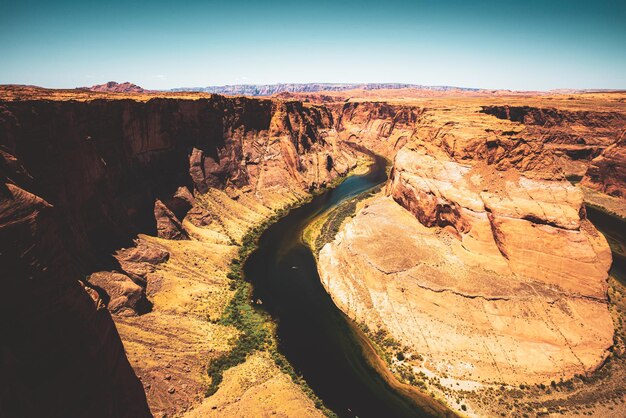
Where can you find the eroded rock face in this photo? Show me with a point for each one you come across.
(181, 202)
(168, 226)
(380, 127)
(115, 158)
(607, 172)
(57, 336)
(531, 223)
(123, 296)
(543, 140)
(574, 135)
(494, 277)
(140, 260)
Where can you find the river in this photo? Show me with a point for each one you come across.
(319, 341)
(316, 337)
(614, 229)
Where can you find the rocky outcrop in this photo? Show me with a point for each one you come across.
(529, 222)
(607, 172)
(140, 260)
(494, 277)
(58, 339)
(121, 295)
(380, 127)
(168, 226)
(181, 202)
(544, 142)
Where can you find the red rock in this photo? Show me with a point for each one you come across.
(140, 260)
(57, 338)
(181, 202)
(125, 297)
(607, 172)
(168, 226)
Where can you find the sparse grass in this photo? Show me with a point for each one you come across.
(324, 229)
(257, 329)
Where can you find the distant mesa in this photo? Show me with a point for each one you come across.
(271, 89)
(115, 87)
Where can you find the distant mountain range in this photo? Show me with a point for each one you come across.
(271, 89)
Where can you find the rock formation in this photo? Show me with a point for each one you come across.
(607, 172)
(574, 136)
(61, 353)
(495, 277)
(80, 180)
(168, 225)
(121, 295)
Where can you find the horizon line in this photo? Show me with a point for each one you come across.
(334, 83)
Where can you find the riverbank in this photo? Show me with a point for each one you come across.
(320, 342)
(256, 328)
(382, 351)
(444, 323)
(173, 347)
(254, 350)
(323, 227)
(379, 351)
(611, 205)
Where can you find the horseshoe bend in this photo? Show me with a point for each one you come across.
(474, 280)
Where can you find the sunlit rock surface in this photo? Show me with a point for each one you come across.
(491, 276)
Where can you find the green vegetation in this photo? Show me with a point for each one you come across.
(239, 313)
(257, 330)
(324, 229)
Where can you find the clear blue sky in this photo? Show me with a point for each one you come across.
(156, 44)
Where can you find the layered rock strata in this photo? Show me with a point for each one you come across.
(494, 277)
(607, 172)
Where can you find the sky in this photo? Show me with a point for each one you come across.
(519, 45)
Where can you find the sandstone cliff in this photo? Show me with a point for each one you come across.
(501, 275)
(542, 141)
(61, 353)
(574, 136)
(80, 180)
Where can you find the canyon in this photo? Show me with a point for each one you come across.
(122, 212)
